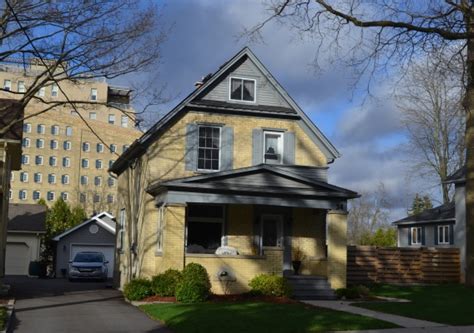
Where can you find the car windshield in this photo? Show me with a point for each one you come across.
(89, 257)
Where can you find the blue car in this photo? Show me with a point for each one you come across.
(88, 265)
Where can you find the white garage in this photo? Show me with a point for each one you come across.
(107, 250)
(17, 259)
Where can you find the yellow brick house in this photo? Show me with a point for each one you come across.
(233, 178)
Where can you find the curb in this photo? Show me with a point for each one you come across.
(10, 309)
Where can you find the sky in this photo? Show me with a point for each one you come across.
(367, 131)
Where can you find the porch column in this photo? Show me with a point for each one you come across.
(337, 248)
(174, 236)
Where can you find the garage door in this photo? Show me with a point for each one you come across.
(108, 252)
(17, 259)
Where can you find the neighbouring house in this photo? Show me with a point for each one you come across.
(96, 234)
(441, 226)
(233, 178)
(11, 124)
(26, 225)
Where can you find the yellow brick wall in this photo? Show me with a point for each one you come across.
(337, 248)
(240, 220)
(309, 235)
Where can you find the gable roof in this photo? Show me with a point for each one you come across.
(262, 179)
(442, 213)
(27, 218)
(104, 219)
(138, 147)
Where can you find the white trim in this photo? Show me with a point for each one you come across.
(96, 219)
(247, 79)
(279, 221)
(440, 228)
(281, 145)
(419, 235)
(220, 148)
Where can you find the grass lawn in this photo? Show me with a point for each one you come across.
(258, 317)
(448, 304)
(3, 317)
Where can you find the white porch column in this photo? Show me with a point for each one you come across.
(337, 248)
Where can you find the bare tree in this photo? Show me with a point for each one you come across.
(66, 42)
(391, 35)
(368, 213)
(430, 100)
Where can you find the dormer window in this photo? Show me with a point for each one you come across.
(273, 147)
(242, 89)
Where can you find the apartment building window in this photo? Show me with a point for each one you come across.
(96, 198)
(53, 144)
(82, 197)
(22, 195)
(113, 148)
(94, 94)
(124, 121)
(97, 181)
(66, 162)
(68, 131)
(209, 148)
(36, 195)
(38, 177)
(23, 177)
(111, 119)
(52, 178)
(124, 148)
(110, 198)
(110, 181)
(7, 85)
(65, 179)
(67, 145)
(55, 130)
(40, 129)
(65, 196)
(53, 161)
(25, 159)
(84, 180)
(100, 148)
(25, 143)
(50, 196)
(111, 162)
(39, 160)
(27, 128)
(54, 90)
(74, 113)
(85, 163)
(98, 164)
(86, 146)
(92, 115)
(12, 176)
(242, 89)
(21, 87)
(41, 92)
(40, 143)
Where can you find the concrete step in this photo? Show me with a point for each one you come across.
(311, 287)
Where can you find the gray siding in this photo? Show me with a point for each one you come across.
(80, 236)
(266, 93)
(460, 226)
(403, 232)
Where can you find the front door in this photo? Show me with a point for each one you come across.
(272, 231)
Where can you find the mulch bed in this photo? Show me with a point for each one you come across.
(157, 298)
(230, 298)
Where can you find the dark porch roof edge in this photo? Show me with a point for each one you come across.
(440, 213)
(139, 147)
(459, 176)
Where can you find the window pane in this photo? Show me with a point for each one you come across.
(209, 145)
(204, 234)
(248, 92)
(236, 89)
(270, 233)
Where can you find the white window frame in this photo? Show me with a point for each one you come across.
(25, 159)
(38, 177)
(53, 196)
(441, 234)
(99, 148)
(67, 145)
(26, 142)
(53, 144)
(124, 121)
(243, 79)
(39, 158)
(92, 115)
(51, 178)
(279, 230)
(111, 119)
(34, 195)
(86, 146)
(113, 148)
(65, 196)
(41, 92)
(27, 128)
(86, 165)
(110, 181)
(24, 177)
(21, 87)
(160, 226)
(85, 178)
(220, 149)
(23, 195)
(122, 221)
(98, 164)
(280, 143)
(419, 231)
(7, 85)
(68, 131)
(40, 128)
(66, 163)
(93, 96)
(39, 143)
(65, 179)
(55, 130)
(54, 161)
(54, 90)
(110, 198)
(97, 181)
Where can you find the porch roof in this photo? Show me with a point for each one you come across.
(262, 184)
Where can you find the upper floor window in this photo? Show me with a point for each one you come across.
(40, 129)
(98, 164)
(54, 90)
(66, 162)
(113, 148)
(65, 179)
(55, 130)
(242, 89)
(209, 147)
(67, 145)
(111, 162)
(7, 85)
(65, 196)
(273, 147)
(86, 146)
(84, 180)
(53, 161)
(50, 196)
(443, 234)
(36, 195)
(53, 144)
(39, 143)
(74, 113)
(22, 195)
(39, 160)
(27, 128)
(110, 198)
(23, 177)
(25, 159)
(52, 178)
(25, 142)
(38, 177)
(41, 92)
(94, 94)
(21, 87)
(100, 148)
(92, 115)
(97, 181)
(85, 163)
(111, 119)
(124, 148)
(68, 131)
(110, 181)
(124, 121)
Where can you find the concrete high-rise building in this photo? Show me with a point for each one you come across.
(62, 157)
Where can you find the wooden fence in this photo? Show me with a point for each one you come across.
(401, 265)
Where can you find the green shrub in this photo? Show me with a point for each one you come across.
(197, 273)
(353, 292)
(165, 284)
(191, 291)
(137, 289)
(363, 291)
(269, 285)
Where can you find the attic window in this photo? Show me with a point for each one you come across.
(242, 89)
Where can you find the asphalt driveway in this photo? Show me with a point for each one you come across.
(57, 305)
